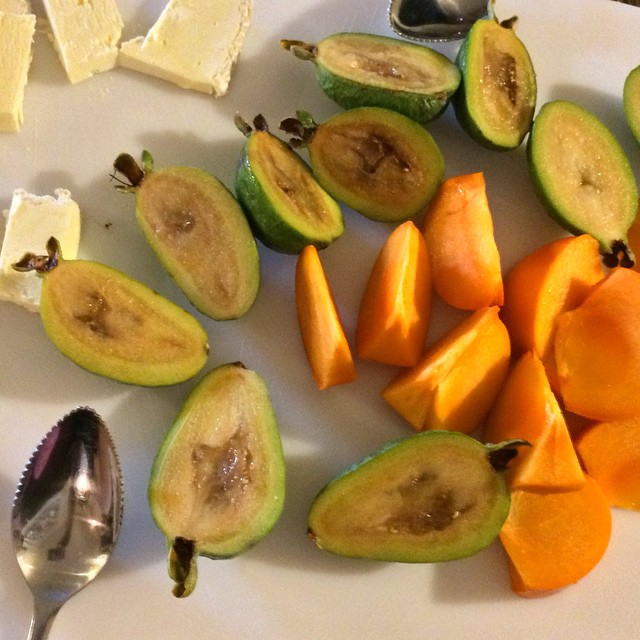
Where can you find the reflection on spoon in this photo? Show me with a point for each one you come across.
(435, 20)
(66, 513)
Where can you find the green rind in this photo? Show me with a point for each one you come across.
(274, 227)
(631, 102)
(274, 494)
(466, 107)
(242, 253)
(418, 551)
(131, 370)
(562, 211)
(415, 136)
(423, 106)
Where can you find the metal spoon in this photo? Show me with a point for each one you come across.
(435, 20)
(66, 513)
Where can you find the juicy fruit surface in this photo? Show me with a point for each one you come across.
(357, 69)
(597, 350)
(429, 498)
(497, 96)
(287, 208)
(582, 174)
(555, 539)
(455, 383)
(218, 477)
(631, 102)
(378, 162)
(116, 327)
(200, 234)
(458, 229)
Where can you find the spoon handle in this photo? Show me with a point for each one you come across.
(44, 613)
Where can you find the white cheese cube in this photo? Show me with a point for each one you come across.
(193, 44)
(16, 37)
(31, 221)
(86, 34)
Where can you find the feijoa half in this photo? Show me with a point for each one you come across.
(631, 102)
(432, 497)
(113, 325)
(496, 100)
(360, 69)
(199, 232)
(285, 205)
(583, 176)
(377, 161)
(217, 484)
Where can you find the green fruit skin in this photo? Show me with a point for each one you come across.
(555, 208)
(106, 362)
(463, 109)
(390, 209)
(274, 495)
(269, 225)
(350, 94)
(631, 102)
(240, 249)
(423, 552)
(421, 107)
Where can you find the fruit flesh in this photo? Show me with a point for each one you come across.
(116, 327)
(498, 91)
(582, 174)
(286, 207)
(365, 70)
(378, 162)
(218, 478)
(429, 498)
(597, 350)
(200, 234)
(631, 102)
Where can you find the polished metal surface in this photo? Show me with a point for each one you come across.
(66, 513)
(435, 20)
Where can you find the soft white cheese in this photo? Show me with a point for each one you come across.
(31, 221)
(193, 44)
(16, 37)
(86, 34)
(15, 6)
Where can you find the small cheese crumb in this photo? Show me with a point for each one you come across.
(86, 34)
(31, 221)
(17, 28)
(193, 44)
(15, 6)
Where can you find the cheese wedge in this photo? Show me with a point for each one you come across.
(17, 28)
(86, 34)
(31, 221)
(193, 44)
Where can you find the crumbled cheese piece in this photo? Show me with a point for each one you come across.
(31, 221)
(193, 44)
(15, 6)
(86, 34)
(16, 37)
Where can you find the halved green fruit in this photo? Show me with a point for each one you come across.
(217, 484)
(377, 161)
(285, 205)
(631, 102)
(432, 497)
(114, 326)
(497, 96)
(583, 176)
(200, 234)
(360, 69)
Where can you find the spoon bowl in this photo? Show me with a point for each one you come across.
(435, 20)
(66, 513)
